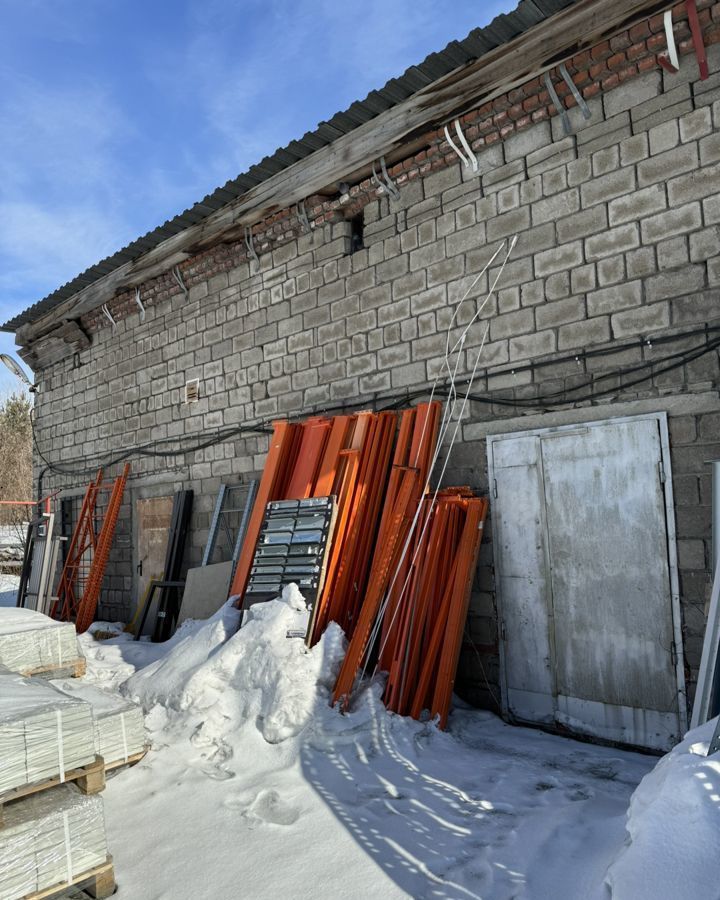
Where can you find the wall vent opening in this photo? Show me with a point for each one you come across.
(192, 390)
(357, 227)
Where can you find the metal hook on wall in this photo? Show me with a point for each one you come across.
(386, 182)
(557, 104)
(579, 99)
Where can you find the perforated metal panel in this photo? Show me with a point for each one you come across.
(291, 548)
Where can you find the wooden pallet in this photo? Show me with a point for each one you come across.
(90, 779)
(98, 882)
(73, 669)
(130, 761)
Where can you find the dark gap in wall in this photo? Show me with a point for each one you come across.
(357, 228)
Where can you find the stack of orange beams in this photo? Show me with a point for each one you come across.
(390, 544)
(422, 635)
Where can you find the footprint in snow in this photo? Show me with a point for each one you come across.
(268, 806)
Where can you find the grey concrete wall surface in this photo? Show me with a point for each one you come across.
(617, 232)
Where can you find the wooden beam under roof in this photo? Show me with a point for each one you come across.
(540, 48)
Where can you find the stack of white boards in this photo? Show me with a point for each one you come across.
(31, 642)
(50, 838)
(119, 723)
(43, 733)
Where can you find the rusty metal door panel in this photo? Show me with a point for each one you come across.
(153, 525)
(519, 530)
(585, 567)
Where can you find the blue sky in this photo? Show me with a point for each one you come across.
(115, 115)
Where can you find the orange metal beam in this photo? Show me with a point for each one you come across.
(386, 556)
(274, 472)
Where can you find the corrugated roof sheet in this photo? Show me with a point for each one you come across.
(502, 29)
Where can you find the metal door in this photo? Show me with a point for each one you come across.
(153, 526)
(587, 582)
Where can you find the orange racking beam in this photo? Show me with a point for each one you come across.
(387, 552)
(314, 436)
(467, 560)
(327, 479)
(281, 443)
(320, 616)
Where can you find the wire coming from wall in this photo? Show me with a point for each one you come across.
(175, 447)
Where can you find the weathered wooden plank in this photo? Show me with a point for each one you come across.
(498, 71)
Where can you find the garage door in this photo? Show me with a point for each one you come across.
(586, 582)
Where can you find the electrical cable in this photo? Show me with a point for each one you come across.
(389, 401)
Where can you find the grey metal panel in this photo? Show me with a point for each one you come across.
(457, 53)
(610, 575)
(520, 565)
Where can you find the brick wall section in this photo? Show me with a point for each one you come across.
(618, 228)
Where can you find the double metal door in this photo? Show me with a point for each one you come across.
(586, 580)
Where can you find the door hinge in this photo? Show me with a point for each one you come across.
(673, 653)
(502, 631)
(661, 472)
(495, 488)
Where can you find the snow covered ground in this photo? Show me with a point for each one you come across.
(256, 788)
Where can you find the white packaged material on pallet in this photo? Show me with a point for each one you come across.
(119, 723)
(43, 732)
(30, 641)
(48, 839)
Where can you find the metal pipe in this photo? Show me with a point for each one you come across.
(715, 512)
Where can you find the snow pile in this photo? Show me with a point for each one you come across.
(673, 826)
(257, 675)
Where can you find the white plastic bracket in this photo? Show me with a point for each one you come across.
(249, 244)
(140, 304)
(468, 158)
(302, 216)
(108, 316)
(177, 275)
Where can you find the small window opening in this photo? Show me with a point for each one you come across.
(357, 226)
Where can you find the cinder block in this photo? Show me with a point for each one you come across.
(526, 143)
(677, 220)
(607, 187)
(611, 242)
(585, 333)
(549, 315)
(583, 223)
(557, 259)
(703, 182)
(668, 164)
(609, 300)
(638, 204)
(532, 345)
(675, 283)
(556, 207)
(634, 93)
(641, 320)
(705, 244)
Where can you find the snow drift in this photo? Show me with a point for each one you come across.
(257, 675)
(673, 827)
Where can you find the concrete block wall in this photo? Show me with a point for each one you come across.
(617, 229)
